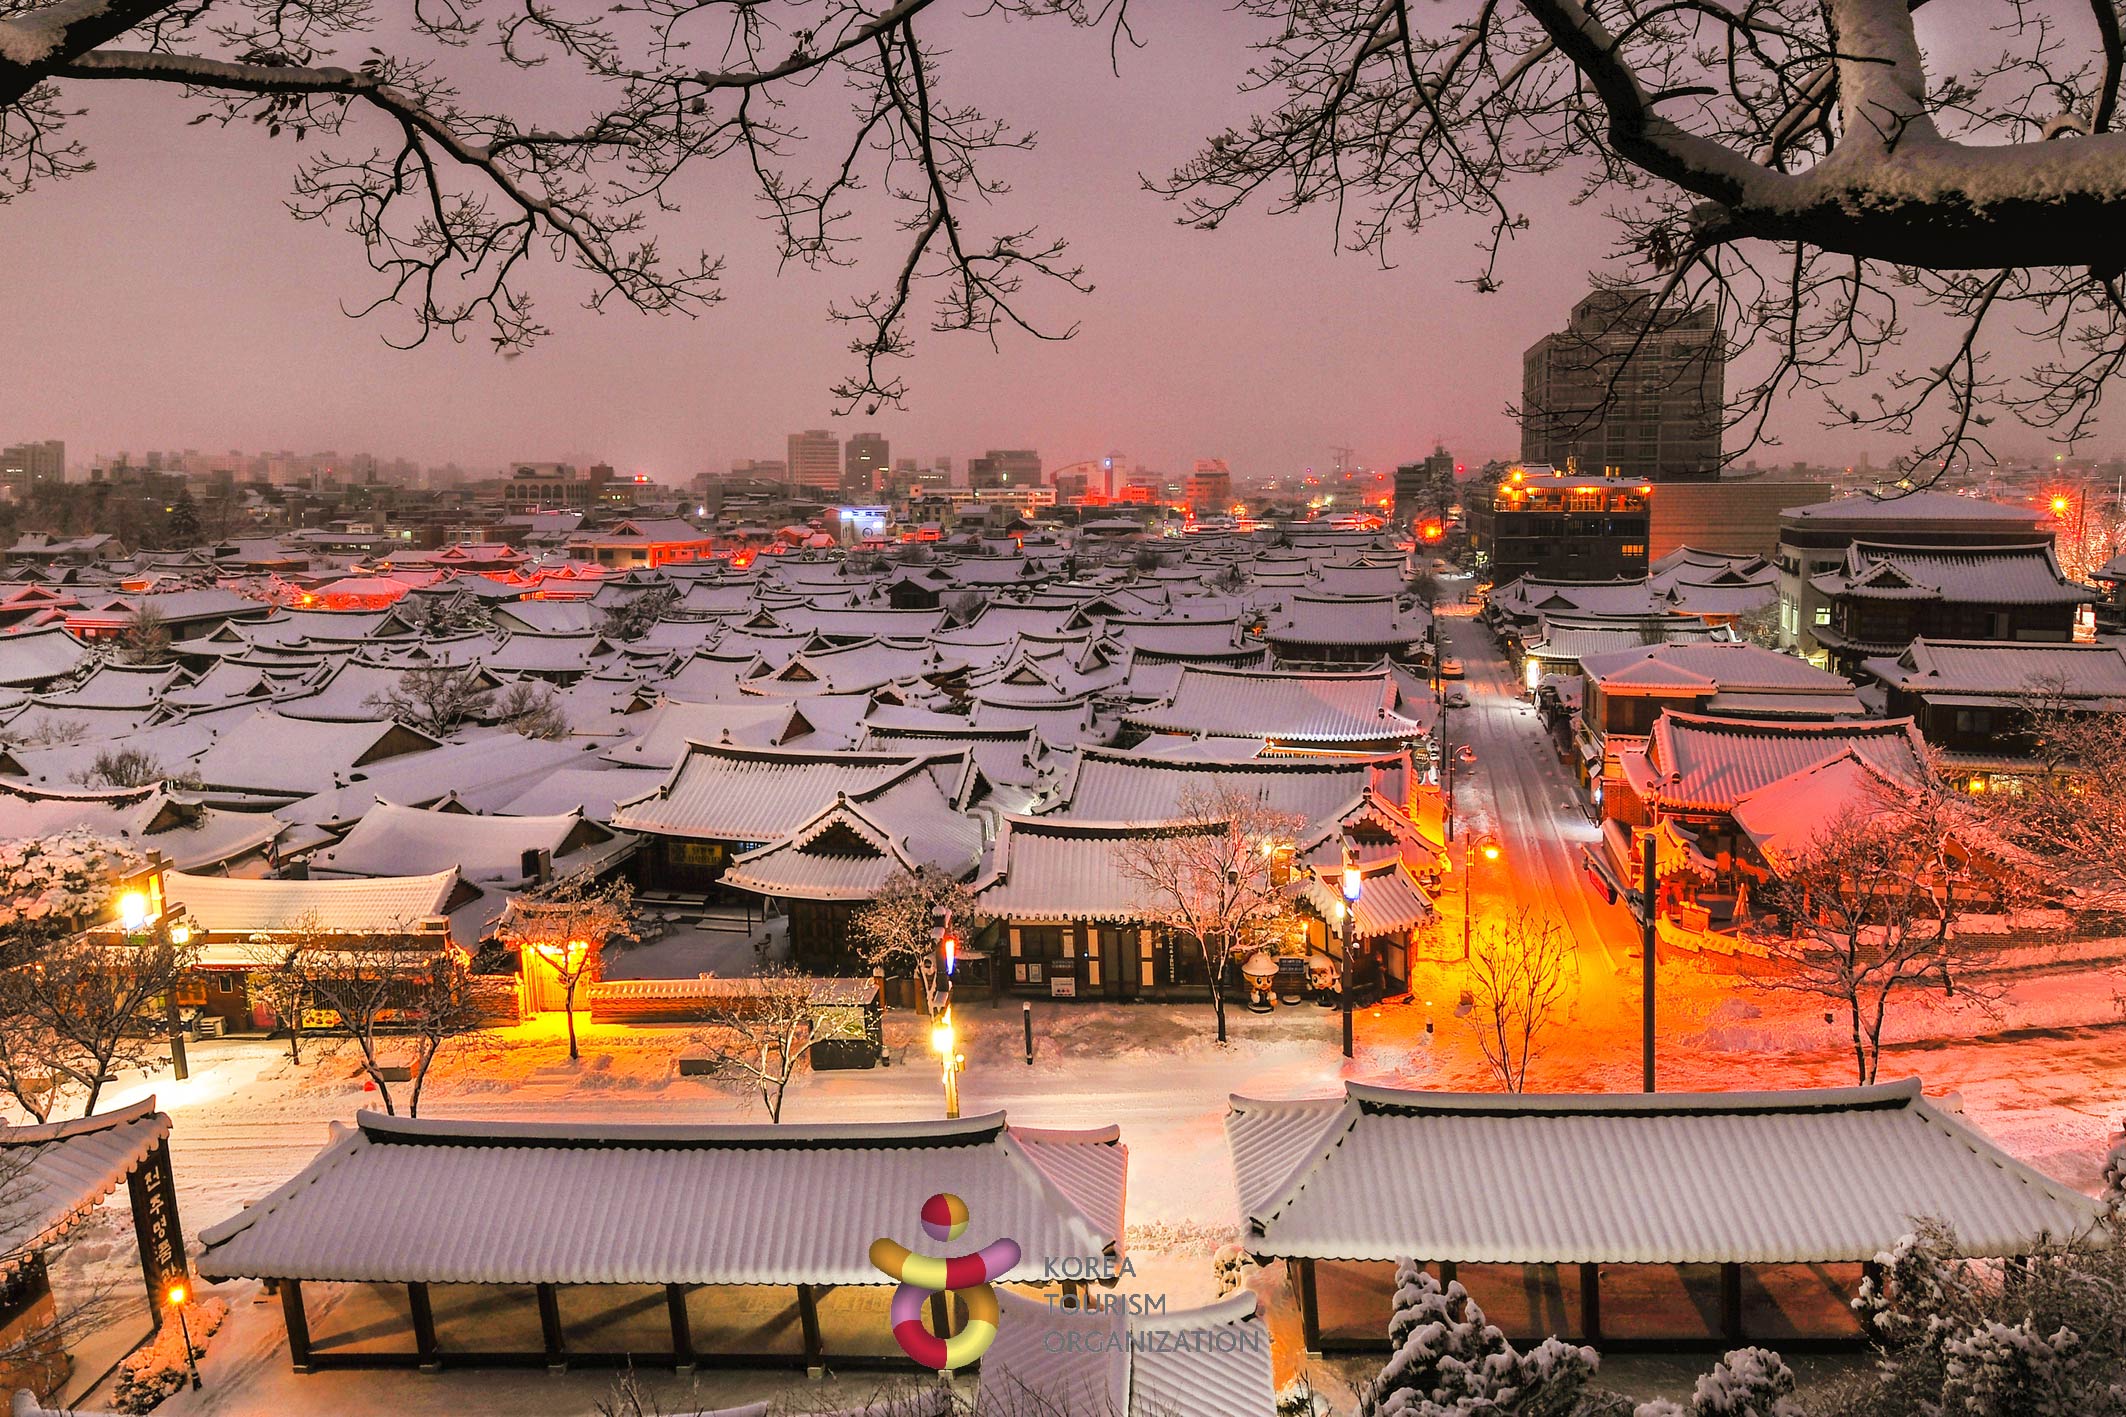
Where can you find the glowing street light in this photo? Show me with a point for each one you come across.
(944, 1041)
(1488, 849)
(1354, 883)
(175, 1295)
(133, 912)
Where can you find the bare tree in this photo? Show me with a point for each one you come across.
(566, 925)
(375, 986)
(964, 606)
(897, 931)
(146, 636)
(2070, 819)
(277, 977)
(1524, 978)
(78, 1007)
(1796, 166)
(531, 711)
(129, 767)
(438, 699)
(758, 1036)
(1217, 874)
(1864, 914)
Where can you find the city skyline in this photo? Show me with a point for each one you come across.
(1259, 342)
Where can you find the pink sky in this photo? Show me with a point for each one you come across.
(173, 303)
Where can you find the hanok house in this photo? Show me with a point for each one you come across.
(1624, 691)
(235, 924)
(1977, 701)
(1766, 1210)
(55, 1175)
(621, 1245)
(1685, 781)
(1361, 712)
(1884, 597)
(721, 801)
(1064, 921)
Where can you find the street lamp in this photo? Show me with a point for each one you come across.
(1488, 848)
(1354, 882)
(944, 1041)
(176, 1294)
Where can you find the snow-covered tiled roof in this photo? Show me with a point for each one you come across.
(660, 1204)
(222, 905)
(1214, 1361)
(35, 656)
(1709, 666)
(1808, 1176)
(1695, 762)
(1314, 621)
(1316, 708)
(1045, 868)
(719, 792)
(391, 840)
(276, 753)
(1912, 508)
(1970, 575)
(1123, 785)
(59, 1171)
(2008, 670)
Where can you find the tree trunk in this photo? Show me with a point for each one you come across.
(1217, 973)
(568, 1005)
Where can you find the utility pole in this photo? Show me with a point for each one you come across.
(1648, 939)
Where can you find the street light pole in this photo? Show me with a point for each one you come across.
(1649, 938)
(1353, 883)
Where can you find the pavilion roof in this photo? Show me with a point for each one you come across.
(1807, 1176)
(597, 1203)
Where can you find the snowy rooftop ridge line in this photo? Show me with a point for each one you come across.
(1807, 1176)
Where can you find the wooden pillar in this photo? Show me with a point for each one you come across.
(808, 1320)
(675, 1307)
(298, 1322)
(1731, 1302)
(550, 1328)
(424, 1327)
(1309, 1307)
(1446, 1273)
(1590, 1303)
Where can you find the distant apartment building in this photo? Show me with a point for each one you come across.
(553, 486)
(1004, 467)
(866, 459)
(1622, 387)
(1209, 488)
(1422, 487)
(815, 458)
(1539, 521)
(25, 465)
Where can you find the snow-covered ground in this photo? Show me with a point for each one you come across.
(2047, 1078)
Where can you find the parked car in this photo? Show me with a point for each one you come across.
(1450, 669)
(1457, 697)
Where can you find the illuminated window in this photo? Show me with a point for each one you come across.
(1823, 614)
(1636, 549)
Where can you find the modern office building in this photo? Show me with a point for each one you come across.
(1422, 487)
(866, 461)
(1209, 489)
(815, 458)
(1624, 388)
(27, 464)
(1005, 467)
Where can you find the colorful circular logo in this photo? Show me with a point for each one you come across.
(967, 1276)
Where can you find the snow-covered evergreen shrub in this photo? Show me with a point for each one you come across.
(1230, 1265)
(52, 882)
(1449, 1361)
(1746, 1382)
(160, 1367)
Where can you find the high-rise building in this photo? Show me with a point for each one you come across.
(1209, 488)
(1624, 388)
(1422, 488)
(26, 464)
(816, 458)
(865, 460)
(1005, 467)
